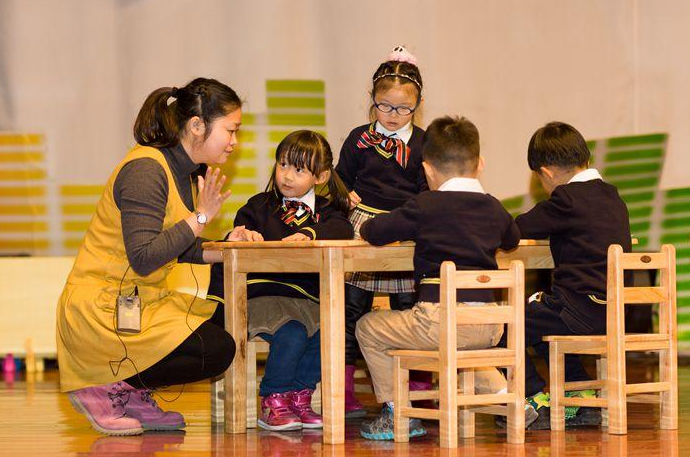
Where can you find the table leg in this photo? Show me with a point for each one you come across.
(332, 296)
(235, 284)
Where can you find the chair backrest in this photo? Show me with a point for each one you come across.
(512, 313)
(618, 295)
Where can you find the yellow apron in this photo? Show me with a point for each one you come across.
(87, 345)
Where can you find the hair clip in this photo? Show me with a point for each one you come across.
(400, 54)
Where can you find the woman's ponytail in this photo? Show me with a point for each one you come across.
(156, 123)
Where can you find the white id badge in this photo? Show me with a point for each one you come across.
(129, 314)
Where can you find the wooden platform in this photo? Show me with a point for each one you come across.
(35, 419)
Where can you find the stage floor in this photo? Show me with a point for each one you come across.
(35, 419)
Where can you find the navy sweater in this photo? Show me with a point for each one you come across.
(381, 183)
(581, 220)
(464, 227)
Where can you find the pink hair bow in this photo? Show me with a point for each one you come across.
(400, 54)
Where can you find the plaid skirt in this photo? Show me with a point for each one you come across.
(391, 282)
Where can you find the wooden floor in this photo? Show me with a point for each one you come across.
(35, 419)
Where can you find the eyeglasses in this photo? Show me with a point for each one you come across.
(400, 110)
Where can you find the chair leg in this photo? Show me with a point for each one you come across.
(668, 417)
(218, 401)
(316, 399)
(556, 385)
(251, 385)
(601, 375)
(466, 417)
(516, 409)
(617, 400)
(401, 399)
(448, 408)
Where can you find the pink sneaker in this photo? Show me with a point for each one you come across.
(143, 407)
(104, 407)
(276, 413)
(301, 407)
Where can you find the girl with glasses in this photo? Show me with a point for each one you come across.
(381, 165)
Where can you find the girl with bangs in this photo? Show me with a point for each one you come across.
(283, 308)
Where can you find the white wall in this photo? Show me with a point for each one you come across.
(80, 69)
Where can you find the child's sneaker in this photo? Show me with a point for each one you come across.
(300, 405)
(104, 407)
(576, 416)
(143, 407)
(571, 411)
(276, 414)
(541, 402)
(531, 415)
(381, 428)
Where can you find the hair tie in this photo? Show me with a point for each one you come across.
(174, 91)
(400, 54)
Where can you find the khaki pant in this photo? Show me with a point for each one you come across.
(417, 328)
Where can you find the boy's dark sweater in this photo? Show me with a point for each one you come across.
(262, 214)
(464, 227)
(381, 183)
(581, 220)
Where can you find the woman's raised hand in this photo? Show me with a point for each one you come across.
(211, 196)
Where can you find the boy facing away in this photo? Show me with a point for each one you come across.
(454, 221)
(581, 218)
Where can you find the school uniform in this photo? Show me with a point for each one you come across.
(581, 219)
(278, 301)
(461, 223)
(385, 169)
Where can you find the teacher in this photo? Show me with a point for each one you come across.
(155, 205)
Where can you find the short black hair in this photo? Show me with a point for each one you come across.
(451, 145)
(559, 144)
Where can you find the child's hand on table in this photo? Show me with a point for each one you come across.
(240, 233)
(297, 237)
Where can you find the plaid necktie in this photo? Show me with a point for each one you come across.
(296, 212)
(385, 145)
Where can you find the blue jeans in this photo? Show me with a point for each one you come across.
(294, 361)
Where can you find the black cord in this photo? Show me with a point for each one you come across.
(115, 365)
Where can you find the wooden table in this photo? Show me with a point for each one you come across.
(331, 259)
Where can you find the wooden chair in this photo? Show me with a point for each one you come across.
(254, 346)
(448, 360)
(611, 348)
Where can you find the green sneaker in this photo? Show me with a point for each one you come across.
(539, 400)
(571, 411)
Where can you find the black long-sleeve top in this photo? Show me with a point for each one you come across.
(262, 213)
(464, 227)
(141, 193)
(581, 220)
(381, 183)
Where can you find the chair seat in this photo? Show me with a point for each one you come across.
(461, 355)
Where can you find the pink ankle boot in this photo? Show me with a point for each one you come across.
(353, 408)
(422, 385)
(277, 415)
(300, 405)
(104, 407)
(143, 407)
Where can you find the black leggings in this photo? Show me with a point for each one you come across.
(206, 353)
